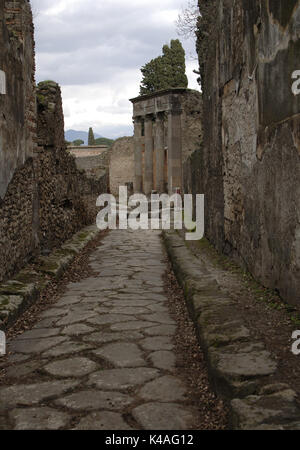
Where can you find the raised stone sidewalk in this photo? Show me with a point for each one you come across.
(21, 291)
(103, 356)
(240, 367)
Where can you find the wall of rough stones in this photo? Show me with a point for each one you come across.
(249, 164)
(17, 121)
(94, 166)
(67, 196)
(18, 186)
(121, 167)
(44, 198)
(87, 150)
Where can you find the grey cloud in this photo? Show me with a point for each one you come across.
(92, 41)
(101, 43)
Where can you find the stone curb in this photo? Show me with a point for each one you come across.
(24, 289)
(240, 367)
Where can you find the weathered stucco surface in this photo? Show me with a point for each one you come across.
(17, 118)
(249, 165)
(121, 166)
(18, 185)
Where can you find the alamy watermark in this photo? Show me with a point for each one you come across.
(137, 212)
(2, 344)
(296, 84)
(296, 344)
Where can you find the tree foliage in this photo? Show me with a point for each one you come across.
(166, 71)
(91, 140)
(78, 142)
(104, 141)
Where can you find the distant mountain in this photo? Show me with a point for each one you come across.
(73, 135)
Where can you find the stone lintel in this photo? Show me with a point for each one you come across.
(162, 101)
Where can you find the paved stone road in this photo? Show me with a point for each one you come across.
(102, 357)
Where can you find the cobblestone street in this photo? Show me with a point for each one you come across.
(103, 356)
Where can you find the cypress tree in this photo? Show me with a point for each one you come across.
(174, 61)
(91, 140)
(166, 71)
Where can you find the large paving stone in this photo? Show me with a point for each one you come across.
(256, 411)
(119, 379)
(35, 345)
(159, 318)
(157, 343)
(104, 338)
(39, 419)
(53, 312)
(106, 319)
(75, 317)
(124, 302)
(67, 300)
(225, 334)
(67, 348)
(104, 420)
(32, 394)
(241, 365)
(163, 360)
(40, 333)
(158, 308)
(132, 325)
(17, 358)
(46, 323)
(161, 330)
(23, 370)
(122, 354)
(89, 284)
(72, 367)
(163, 416)
(164, 389)
(77, 330)
(133, 311)
(92, 400)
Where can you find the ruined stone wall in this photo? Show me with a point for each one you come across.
(191, 123)
(121, 167)
(249, 165)
(79, 151)
(67, 197)
(94, 166)
(18, 186)
(17, 121)
(44, 198)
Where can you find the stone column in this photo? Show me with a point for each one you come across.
(148, 166)
(138, 179)
(174, 150)
(160, 152)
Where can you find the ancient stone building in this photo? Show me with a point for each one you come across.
(43, 197)
(167, 129)
(249, 164)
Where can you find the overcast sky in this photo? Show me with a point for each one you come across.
(95, 49)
